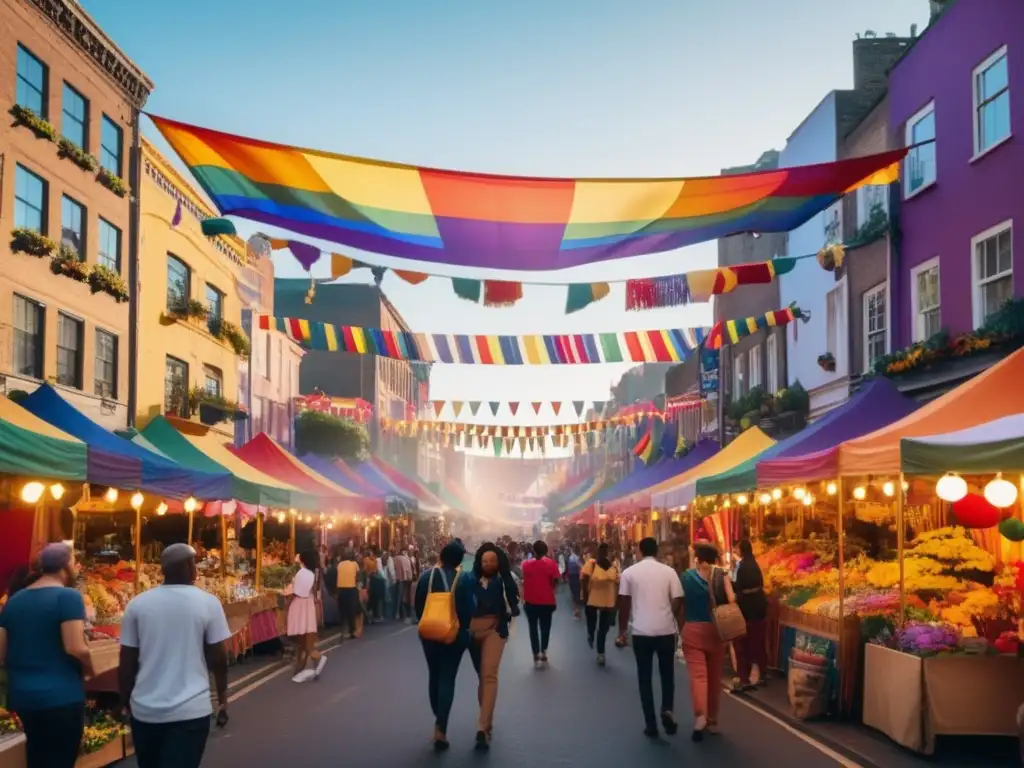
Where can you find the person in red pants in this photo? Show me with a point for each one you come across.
(752, 649)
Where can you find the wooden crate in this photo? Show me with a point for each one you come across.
(101, 758)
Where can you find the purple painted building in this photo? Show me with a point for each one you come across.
(962, 83)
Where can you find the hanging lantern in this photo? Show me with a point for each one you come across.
(831, 489)
(808, 500)
(57, 491)
(32, 492)
(975, 511)
(799, 493)
(1000, 493)
(161, 509)
(776, 493)
(741, 499)
(1012, 529)
(860, 492)
(136, 501)
(951, 488)
(111, 495)
(888, 488)
(766, 498)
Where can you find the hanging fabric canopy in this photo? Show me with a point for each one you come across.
(995, 446)
(120, 463)
(876, 404)
(427, 500)
(267, 456)
(582, 499)
(990, 395)
(209, 454)
(350, 481)
(375, 477)
(35, 448)
(681, 489)
(502, 222)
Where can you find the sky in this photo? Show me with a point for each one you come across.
(573, 88)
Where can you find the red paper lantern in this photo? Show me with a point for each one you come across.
(974, 511)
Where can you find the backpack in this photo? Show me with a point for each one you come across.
(440, 622)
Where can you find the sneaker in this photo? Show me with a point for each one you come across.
(320, 664)
(544, 657)
(600, 660)
(538, 663)
(304, 676)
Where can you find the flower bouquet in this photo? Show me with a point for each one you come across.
(925, 639)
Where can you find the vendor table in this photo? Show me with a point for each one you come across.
(912, 700)
(845, 642)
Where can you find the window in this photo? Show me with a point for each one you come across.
(29, 200)
(179, 280)
(214, 381)
(29, 321)
(31, 82)
(69, 351)
(991, 102)
(992, 270)
(110, 246)
(214, 308)
(754, 366)
(872, 200)
(772, 353)
(176, 387)
(920, 169)
(737, 376)
(876, 326)
(110, 146)
(74, 122)
(106, 365)
(72, 226)
(835, 324)
(925, 300)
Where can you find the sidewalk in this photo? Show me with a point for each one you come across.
(872, 749)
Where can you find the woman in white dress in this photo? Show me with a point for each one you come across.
(302, 617)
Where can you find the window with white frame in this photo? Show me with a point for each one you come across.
(992, 270)
(921, 170)
(835, 318)
(738, 376)
(771, 352)
(925, 300)
(991, 102)
(872, 200)
(876, 326)
(754, 365)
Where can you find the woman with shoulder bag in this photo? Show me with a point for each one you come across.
(496, 598)
(706, 591)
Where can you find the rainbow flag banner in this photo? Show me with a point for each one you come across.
(731, 331)
(502, 222)
(665, 346)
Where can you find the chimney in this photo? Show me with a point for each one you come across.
(937, 7)
(873, 57)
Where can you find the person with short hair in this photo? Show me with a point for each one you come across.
(651, 597)
(703, 649)
(172, 638)
(539, 579)
(43, 648)
(348, 594)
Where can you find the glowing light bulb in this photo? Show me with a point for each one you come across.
(293, 512)
(161, 509)
(309, 518)
(136, 501)
(859, 493)
(57, 491)
(799, 493)
(742, 499)
(951, 487)
(808, 500)
(32, 492)
(888, 488)
(766, 498)
(906, 486)
(191, 504)
(1000, 493)
(111, 495)
(776, 493)
(832, 489)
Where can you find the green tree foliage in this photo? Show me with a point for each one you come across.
(328, 435)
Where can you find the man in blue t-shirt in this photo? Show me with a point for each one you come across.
(573, 569)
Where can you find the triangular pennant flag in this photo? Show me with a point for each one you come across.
(556, 406)
(578, 405)
(533, 444)
(497, 448)
(485, 441)
(508, 444)
(474, 406)
(514, 407)
(522, 445)
(494, 407)
(536, 407)
(599, 408)
(340, 265)
(438, 407)
(307, 255)
(467, 289)
(457, 407)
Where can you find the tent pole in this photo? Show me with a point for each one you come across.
(291, 539)
(191, 524)
(900, 546)
(259, 551)
(841, 537)
(223, 544)
(138, 550)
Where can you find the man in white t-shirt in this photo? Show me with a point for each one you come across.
(651, 594)
(172, 637)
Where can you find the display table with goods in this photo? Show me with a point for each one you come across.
(105, 740)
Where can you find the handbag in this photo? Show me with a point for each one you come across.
(728, 619)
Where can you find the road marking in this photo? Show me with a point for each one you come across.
(261, 682)
(263, 670)
(841, 759)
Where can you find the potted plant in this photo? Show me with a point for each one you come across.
(235, 337)
(67, 262)
(827, 362)
(104, 279)
(31, 242)
(38, 125)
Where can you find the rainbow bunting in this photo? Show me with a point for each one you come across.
(731, 331)
(500, 222)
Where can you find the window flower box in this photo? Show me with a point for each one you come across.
(104, 279)
(114, 183)
(827, 362)
(68, 149)
(67, 262)
(33, 243)
(38, 125)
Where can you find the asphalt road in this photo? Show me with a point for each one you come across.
(370, 708)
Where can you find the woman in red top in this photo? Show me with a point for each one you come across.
(539, 579)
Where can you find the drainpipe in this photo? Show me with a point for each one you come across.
(134, 219)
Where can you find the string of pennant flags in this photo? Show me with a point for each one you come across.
(655, 346)
(680, 289)
(458, 406)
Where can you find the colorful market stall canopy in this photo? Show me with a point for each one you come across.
(350, 481)
(209, 454)
(583, 498)
(267, 456)
(35, 448)
(988, 396)
(427, 500)
(501, 222)
(995, 446)
(120, 463)
(876, 404)
(681, 490)
(378, 479)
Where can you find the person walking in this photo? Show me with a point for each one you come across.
(650, 596)
(348, 594)
(302, 623)
(374, 586)
(573, 570)
(496, 598)
(599, 584)
(443, 658)
(540, 576)
(752, 648)
(403, 582)
(172, 638)
(43, 648)
(386, 568)
(703, 649)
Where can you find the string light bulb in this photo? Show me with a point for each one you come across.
(57, 491)
(859, 493)
(888, 488)
(951, 488)
(111, 495)
(776, 493)
(293, 512)
(742, 499)
(32, 492)
(136, 501)
(766, 498)
(799, 493)
(1000, 493)
(191, 504)
(161, 509)
(808, 500)
(832, 489)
